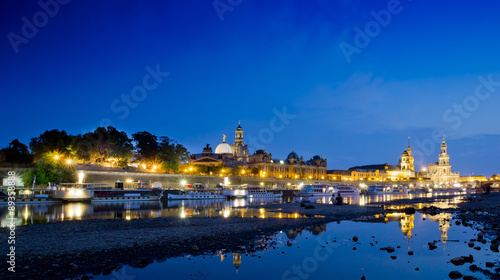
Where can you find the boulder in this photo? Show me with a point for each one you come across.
(457, 261)
(390, 249)
(455, 274)
(355, 238)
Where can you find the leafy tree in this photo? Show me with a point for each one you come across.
(46, 172)
(104, 145)
(235, 171)
(147, 146)
(172, 154)
(51, 142)
(255, 171)
(16, 152)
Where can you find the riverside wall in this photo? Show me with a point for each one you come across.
(111, 175)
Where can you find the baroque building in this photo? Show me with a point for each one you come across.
(225, 154)
(406, 160)
(240, 149)
(380, 172)
(293, 167)
(440, 172)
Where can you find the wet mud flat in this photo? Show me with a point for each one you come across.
(63, 250)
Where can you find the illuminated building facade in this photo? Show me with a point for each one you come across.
(440, 172)
(378, 172)
(225, 154)
(293, 167)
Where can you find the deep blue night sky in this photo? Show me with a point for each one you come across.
(418, 73)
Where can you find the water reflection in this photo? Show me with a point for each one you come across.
(307, 249)
(43, 213)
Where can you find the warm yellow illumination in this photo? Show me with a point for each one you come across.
(242, 171)
(56, 157)
(144, 166)
(68, 161)
(80, 177)
(185, 170)
(262, 183)
(129, 181)
(190, 169)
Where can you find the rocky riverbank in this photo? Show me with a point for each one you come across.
(68, 249)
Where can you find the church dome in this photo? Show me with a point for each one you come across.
(223, 148)
(292, 155)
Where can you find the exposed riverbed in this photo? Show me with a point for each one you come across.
(58, 250)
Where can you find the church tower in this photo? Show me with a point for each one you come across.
(410, 157)
(240, 149)
(406, 161)
(444, 158)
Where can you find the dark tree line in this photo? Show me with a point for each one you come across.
(103, 145)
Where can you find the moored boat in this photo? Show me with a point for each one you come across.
(234, 192)
(197, 194)
(379, 190)
(257, 192)
(347, 190)
(316, 190)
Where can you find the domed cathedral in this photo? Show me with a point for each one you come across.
(440, 172)
(225, 155)
(240, 149)
(406, 161)
(223, 148)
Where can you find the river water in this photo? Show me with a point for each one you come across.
(42, 213)
(327, 252)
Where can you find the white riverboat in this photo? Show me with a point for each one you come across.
(197, 194)
(259, 192)
(316, 190)
(117, 195)
(28, 196)
(380, 190)
(348, 190)
(234, 192)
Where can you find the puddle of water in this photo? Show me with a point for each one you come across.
(310, 257)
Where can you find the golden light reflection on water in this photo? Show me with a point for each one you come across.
(29, 214)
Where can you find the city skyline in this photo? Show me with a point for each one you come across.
(298, 77)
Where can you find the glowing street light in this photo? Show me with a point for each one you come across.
(68, 161)
(56, 157)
